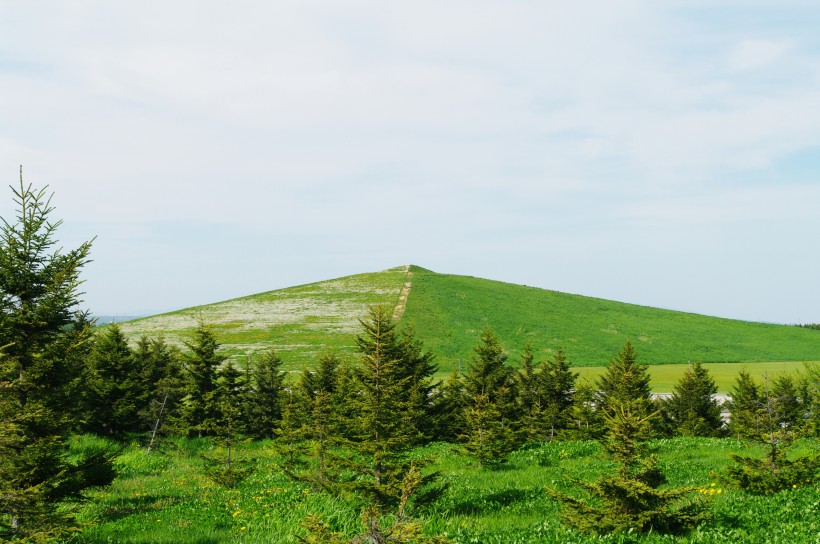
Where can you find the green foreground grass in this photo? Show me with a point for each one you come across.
(164, 497)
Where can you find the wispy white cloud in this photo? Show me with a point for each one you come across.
(754, 54)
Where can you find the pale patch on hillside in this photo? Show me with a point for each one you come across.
(315, 316)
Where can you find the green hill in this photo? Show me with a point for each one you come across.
(448, 313)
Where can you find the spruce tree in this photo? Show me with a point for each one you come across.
(746, 408)
(160, 368)
(378, 527)
(418, 366)
(264, 395)
(490, 411)
(630, 498)
(787, 404)
(625, 382)
(312, 446)
(692, 409)
(200, 410)
(382, 422)
(115, 387)
(447, 409)
(345, 402)
(557, 386)
(775, 471)
(487, 372)
(587, 420)
(531, 405)
(810, 388)
(43, 337)
(324, 379)
(290, 437)
(226, 426)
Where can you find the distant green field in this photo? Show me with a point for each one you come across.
(449, 312)
(664, 377)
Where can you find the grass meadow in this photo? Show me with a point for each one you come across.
(165, 497)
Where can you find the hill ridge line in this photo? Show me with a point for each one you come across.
(398, 311)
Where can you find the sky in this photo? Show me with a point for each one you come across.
(659, 153)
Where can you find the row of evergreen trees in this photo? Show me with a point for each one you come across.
(491, 408)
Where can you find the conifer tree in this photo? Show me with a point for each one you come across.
(745, 408)
(420, 395)
(322, 407)
(557, 383)
(324, 379)
(630, 499)
(447, 409)
(531, 408)
(625, 382)
(160, 369)
(344, 403)
(382, 422)
(42, 338)
(487, 372)
(775, 471)
(290, 436)
(115, 387)
(692, 409)
(200, 410)
(312, 448)
(810, 388)
(490, 410)
(587, 418)
(397, 527)
(264, 395)
(787, 405)
(68, 390)
(226, 427)
(485, 439)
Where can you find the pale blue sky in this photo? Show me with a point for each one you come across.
(660, 153)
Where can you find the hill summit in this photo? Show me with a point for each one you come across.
(448, 313)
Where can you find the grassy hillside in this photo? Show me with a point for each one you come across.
(448, 313)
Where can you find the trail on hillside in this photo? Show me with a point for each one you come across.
(398, 312)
